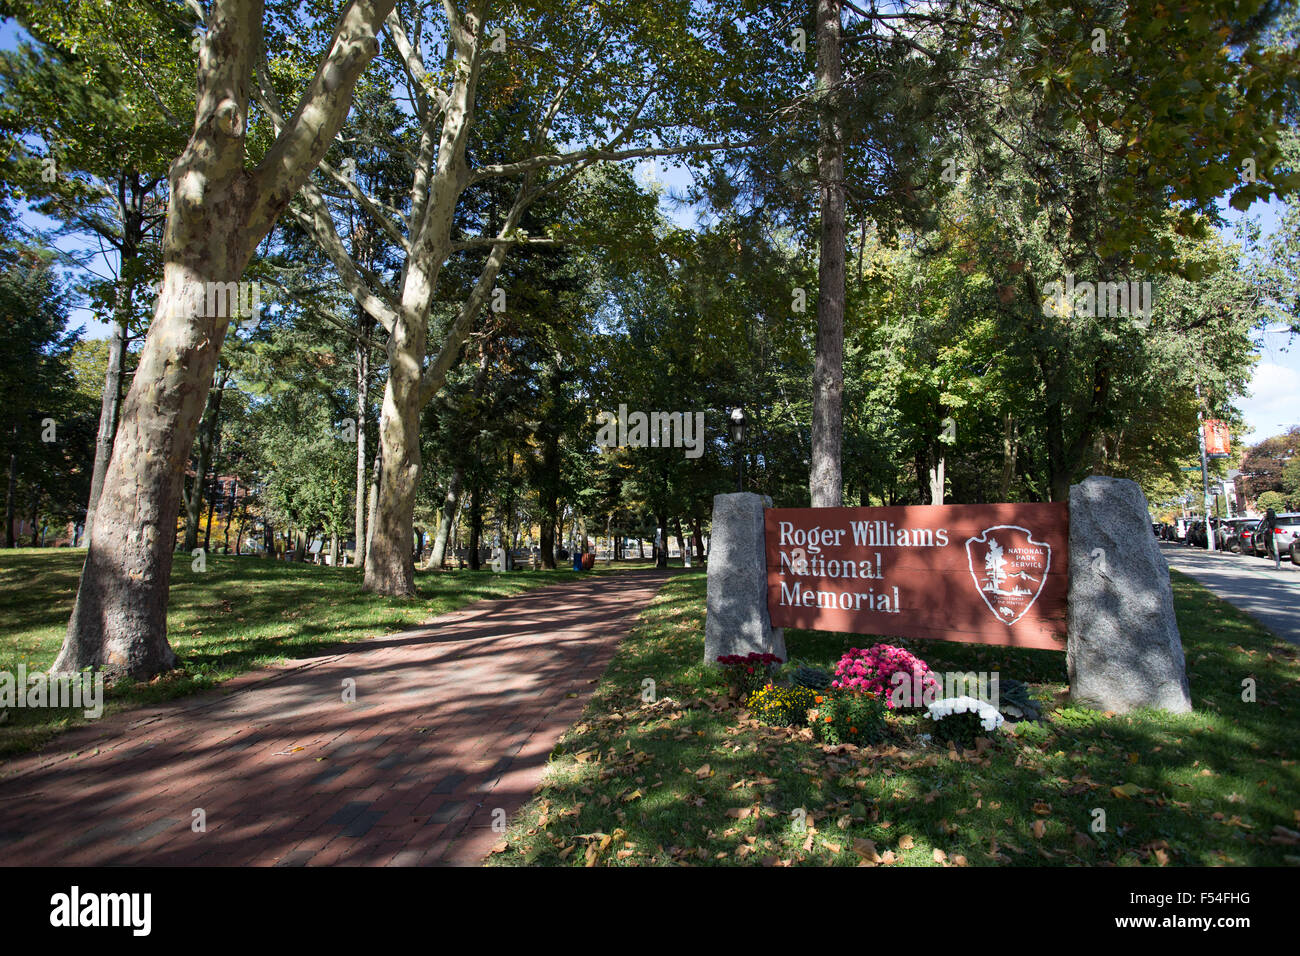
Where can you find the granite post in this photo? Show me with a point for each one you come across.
(1124, 650)
(738, 621)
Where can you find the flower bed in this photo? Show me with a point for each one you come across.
(873, 670)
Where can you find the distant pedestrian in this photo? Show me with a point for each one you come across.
(1266, 530)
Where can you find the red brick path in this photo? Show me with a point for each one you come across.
(451, 722)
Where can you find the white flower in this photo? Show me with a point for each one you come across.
(990, 719)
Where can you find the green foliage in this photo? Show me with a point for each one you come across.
(1271, 499)
(1015, 700)
(746, 674)
(962, 729)
(850, 718)
(814, 678)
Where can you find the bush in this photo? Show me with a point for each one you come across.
(813, 678)
(746, 674)
(872, 671)
(1271, 499)
(849, 717)
(1015, 702)
(962, 719)
(781, 706)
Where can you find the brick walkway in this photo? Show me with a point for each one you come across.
(451, 722)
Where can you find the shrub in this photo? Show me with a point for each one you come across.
(781, 706)
(872, 671)
(849, 717)
(962, 719)
(812, 677)
(1015, 702)
(747, 673)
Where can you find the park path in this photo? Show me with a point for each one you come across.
(452, 721)
(1270, 596)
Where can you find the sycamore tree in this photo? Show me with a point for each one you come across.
(223, 201)
(516, 100)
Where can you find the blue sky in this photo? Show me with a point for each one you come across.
(1272, 405)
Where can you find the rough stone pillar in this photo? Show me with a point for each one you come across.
(1124, 650)
(737, 620)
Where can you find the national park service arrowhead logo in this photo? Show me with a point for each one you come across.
(1009, 568)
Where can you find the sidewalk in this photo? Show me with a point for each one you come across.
(1249, 583)
(451, 722)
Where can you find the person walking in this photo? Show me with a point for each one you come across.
(1266, 530)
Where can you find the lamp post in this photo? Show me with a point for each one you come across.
(736, 426)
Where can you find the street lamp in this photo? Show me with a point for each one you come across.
(736, 426)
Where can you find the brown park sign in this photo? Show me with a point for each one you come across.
(982, 574)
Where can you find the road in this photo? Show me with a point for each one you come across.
(1250, 583)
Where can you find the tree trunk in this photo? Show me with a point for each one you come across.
(825, 479)
(36, 516)
(1010, 446)
(109, 404)
(449, 505)
(219, 211)
(935, 472)
(230, 517)
(475, 526)
(681, 540)
(372, 498)
(661, 542)
(207, 432)
(10, 494)
(119, 622)
(212, 504)
(698, 539)
(365, 324)
(390, 569)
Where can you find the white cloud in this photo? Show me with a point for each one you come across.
(1274, 402)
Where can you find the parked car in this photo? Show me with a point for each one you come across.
(1284, 536)
(1236, 534)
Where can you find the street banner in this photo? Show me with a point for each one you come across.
(1218, 438)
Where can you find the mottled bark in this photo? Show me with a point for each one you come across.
(219, 211)
(109, 406)
(365, 325)
(449, 505)
(390, 568)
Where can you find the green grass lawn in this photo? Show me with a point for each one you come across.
(690, 779)
(238, 614)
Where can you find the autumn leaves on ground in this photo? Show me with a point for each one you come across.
(692, 779)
